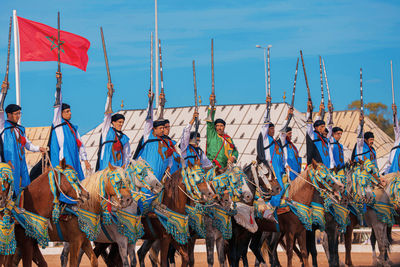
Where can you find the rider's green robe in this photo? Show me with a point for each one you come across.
(219, 148)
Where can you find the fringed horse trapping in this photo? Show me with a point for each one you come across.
(129, 225)
(175, 224)
(7, 236)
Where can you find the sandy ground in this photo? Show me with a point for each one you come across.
(359, 259)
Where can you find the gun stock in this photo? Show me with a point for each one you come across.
(5, 86)
(330, 106)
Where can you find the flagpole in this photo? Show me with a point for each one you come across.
(17, 59)
(156, 47)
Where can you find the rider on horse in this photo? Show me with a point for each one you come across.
(364, 149)
(269, 151)
(337, 148)
(394, 159)
(318, 147)
(154, 149)
(176, 162)
(115, 148)
(220, 148)
(291, 154)
(13, 142)
(189, 146)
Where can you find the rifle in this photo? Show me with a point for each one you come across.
(197, 122)
(110, 86)
(268, 117)
(322, 90)
(330, 107)
(162, 94)
(212, 103)
(5, 86)
(292, 103)
(148, 117)
(58, 73)
(361, 107)
(391, 71)
(308, 88)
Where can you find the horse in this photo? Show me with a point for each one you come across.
(118, 196)
(37, 198)
(7, 244)
(197, 190)
(371, 217)
(174, 198)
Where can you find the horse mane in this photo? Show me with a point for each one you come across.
(298, 184)
(172, 183)
(92, 185)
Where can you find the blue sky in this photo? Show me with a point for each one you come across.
(348, 34)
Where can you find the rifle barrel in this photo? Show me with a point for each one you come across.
(321, 79)
(195, 85)
(105, 54)
(294, 83)
(8, 51)
(305, 75)
(161, 68)
(326, 81)
(212, 68)
(391, 72)
(58, 42)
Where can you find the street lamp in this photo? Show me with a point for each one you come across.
(267, 76)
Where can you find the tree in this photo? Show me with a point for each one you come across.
(378, 113)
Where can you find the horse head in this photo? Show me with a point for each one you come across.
(140, 174)
(326, 177)
(68, 182)
(268, 181)
(197, 177)
(116, 188)
(239, 185)
(7, 182)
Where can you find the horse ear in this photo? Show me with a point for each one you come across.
(123, 166)
(314, 164)
(10, 164)
(111, 167)
(63, 164)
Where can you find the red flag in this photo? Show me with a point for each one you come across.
(38, 42)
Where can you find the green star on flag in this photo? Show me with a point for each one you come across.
(54, 43)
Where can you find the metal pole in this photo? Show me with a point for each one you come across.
(391, 71)
(156, 38)
(17, 59)
(151, 63)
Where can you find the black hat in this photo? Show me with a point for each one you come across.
(65, 106)
(326, 130)
(368, 135)
(219, 121)
(318, 123)
(288, 129)
(166, 121)
(192, 134)
(117, 116)
(271, 124)
(337, 129)
(12, 108)
(158, 123)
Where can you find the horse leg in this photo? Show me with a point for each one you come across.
(38, 257)
(64, 255)
(255, 245)
(74, 252)
(143, 251)
(348, 236)
(123, 251)
(210, 241)
(192, 242)
(183, 250)
(289, 247)
(220, 243)
(88, 250)
(153, 253)
(301, 240)
(164, 247)
(333, 240)
(311, 246)
(373, 243)
(171, 255)
(131, 253)
(380, 230)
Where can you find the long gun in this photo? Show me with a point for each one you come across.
(308, 88)
(293, 94)
(360, 135)
(162, 94)
(391, 72)
(330, 106)
(322, 89)
(196, 107)
(268, 117)
(5, 86)
(148, 117)
(110, 86)
(212, 103)
(58, 73)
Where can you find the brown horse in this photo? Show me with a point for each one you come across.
(174, 198)
(6, 186)
(38, 198)
(69, 225)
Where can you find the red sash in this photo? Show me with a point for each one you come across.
(78, 142)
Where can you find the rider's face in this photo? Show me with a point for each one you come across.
(370, 141)
(118, 124)
(14, 116)
(158, 131)
(66, 114)
(220, 128)
(337, 135)
(167, 128)
(271, 131)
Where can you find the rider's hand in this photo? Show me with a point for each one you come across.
(42, 149)
(195, 115)
(150, 94)
(87, 165)
(231, 159)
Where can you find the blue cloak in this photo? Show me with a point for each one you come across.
(107, 148)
